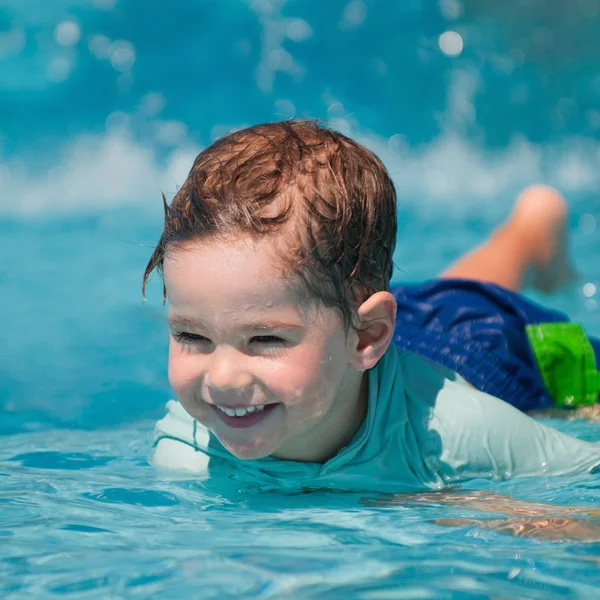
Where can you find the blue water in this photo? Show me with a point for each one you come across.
(102, 104)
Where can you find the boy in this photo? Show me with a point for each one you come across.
(292, 359)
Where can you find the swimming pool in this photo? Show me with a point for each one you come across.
(85, 516)
(90, 140)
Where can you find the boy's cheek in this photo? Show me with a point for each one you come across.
(302, 377)
(183, 374)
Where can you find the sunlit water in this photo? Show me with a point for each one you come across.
(88, 140)
(83, 515)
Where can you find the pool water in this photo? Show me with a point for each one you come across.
(83, 515)
(104, 103)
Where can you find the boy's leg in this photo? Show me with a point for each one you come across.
(528, 249)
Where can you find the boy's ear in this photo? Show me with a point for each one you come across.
(374, 330)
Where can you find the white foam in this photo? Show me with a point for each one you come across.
(458, 174)
(453, 173)
(93, 173)
(98, 171)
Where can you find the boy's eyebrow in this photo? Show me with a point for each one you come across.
(251, 326)
(186, 322)
(269, 325)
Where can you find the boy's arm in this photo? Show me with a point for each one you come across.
(555, 529)
(481, 501)
(538, 520)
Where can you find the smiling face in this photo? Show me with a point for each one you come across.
(266, 371)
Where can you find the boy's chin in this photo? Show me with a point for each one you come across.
(249, 450)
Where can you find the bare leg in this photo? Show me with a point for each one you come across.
(528, 249)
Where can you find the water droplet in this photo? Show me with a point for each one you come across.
(12, 42)
(99, 46)
(152, 103)
(451, 43)
(117, 120)
(124, 82)
(122, 56)
(380, 67)
(298, 30)
(170, 133)
(589, 290)
(354, 14)
(67, 33)
(59, 69)
(144, 301)
(336, 111)
(450, 9)
(280, 60)
(399, 144)
(284, 108)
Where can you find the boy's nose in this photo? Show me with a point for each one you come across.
(226, 373)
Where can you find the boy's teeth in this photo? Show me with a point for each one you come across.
(240, 412)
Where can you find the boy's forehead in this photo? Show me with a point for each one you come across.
(243, 272)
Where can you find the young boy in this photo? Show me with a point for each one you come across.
(293, 360)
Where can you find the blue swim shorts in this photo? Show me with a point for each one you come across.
(500, 342)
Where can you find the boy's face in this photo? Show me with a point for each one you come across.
(268, 373)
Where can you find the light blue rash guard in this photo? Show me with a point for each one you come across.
(425, 428)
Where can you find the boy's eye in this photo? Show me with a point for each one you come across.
(189, 338)
(267, 339)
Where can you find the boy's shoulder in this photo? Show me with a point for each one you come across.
(423, 378)
(448, 400)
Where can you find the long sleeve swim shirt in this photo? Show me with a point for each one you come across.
(425, 428)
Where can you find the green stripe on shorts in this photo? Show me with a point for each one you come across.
(567, 362)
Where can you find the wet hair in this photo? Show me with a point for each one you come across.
(331, 198)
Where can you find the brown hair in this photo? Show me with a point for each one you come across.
(256, 180)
